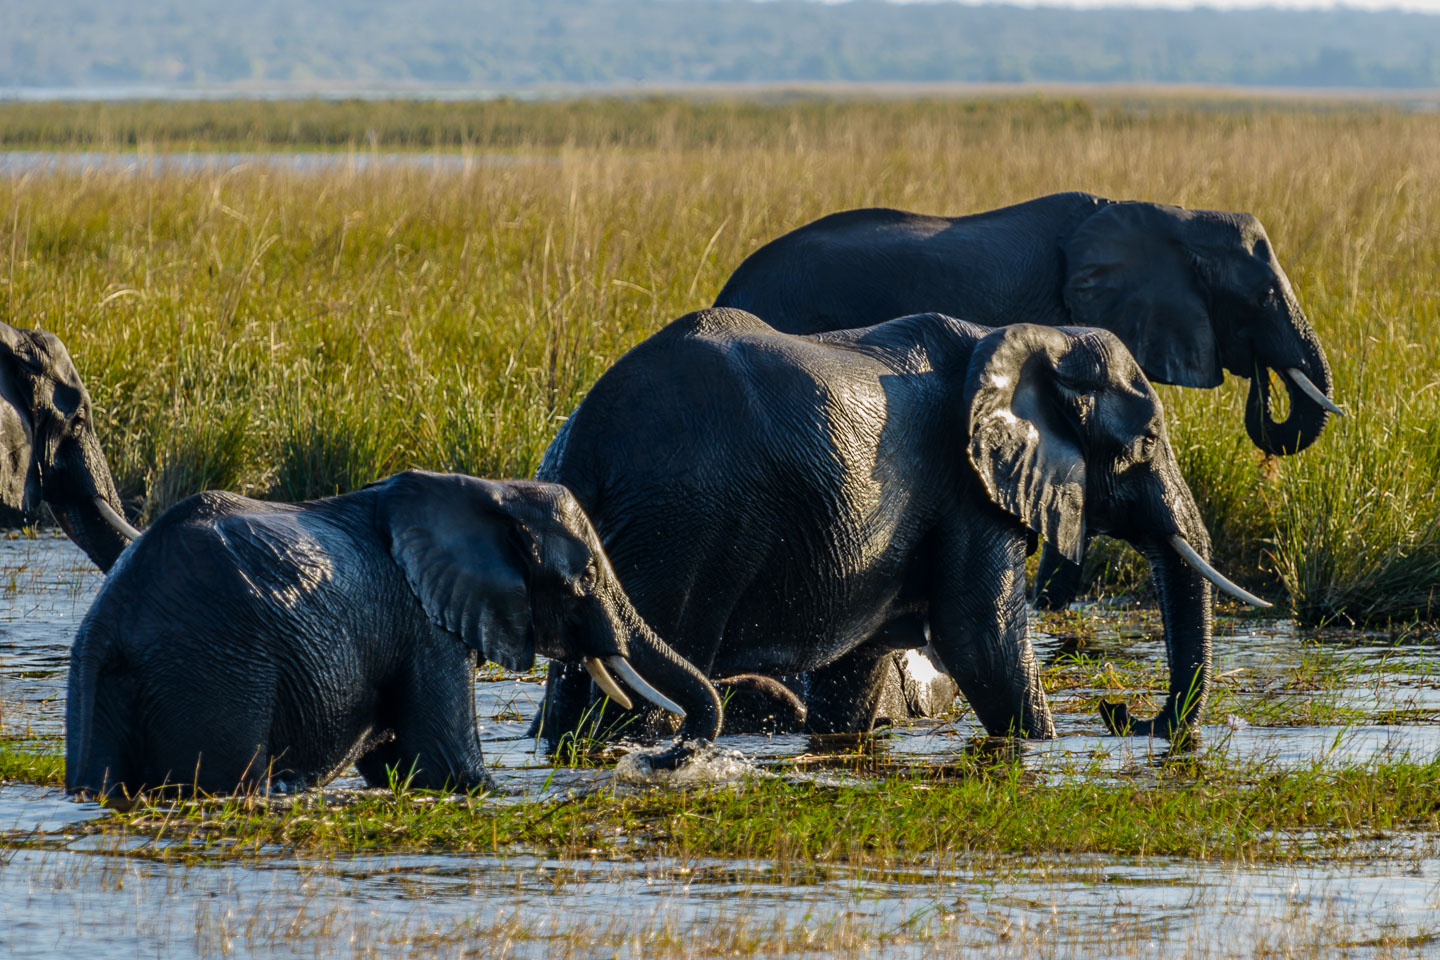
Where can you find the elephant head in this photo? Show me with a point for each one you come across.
(1068, 436)
(1195, 292)
(48, 447)
(515, 569)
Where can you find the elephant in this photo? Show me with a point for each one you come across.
(808, 504)
(240, 644)
(49, 451)
(1191, 293)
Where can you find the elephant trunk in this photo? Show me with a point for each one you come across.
(1305, 372)
(1180, 571)
(82, 495)
(1185, 607)
(676, 678)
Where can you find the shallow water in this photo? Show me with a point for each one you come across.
(60, 891)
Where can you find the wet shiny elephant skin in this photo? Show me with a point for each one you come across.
(782, 504)
(244, 644)
(1192, 293)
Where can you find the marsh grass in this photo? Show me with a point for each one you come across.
(980, 807)
(294, 334)
(28, 764)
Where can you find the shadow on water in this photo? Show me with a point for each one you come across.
(1368, 698)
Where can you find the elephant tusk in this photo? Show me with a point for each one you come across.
(628, 674)
(1313, 392)
(113, 517)
(602, 678)
(1190, 556)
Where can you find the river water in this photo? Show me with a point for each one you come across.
(63, 894)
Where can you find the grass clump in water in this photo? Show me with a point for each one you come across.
(28, 765)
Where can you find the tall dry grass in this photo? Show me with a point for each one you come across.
(293, 334)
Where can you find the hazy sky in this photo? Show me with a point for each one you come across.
(1423, 6)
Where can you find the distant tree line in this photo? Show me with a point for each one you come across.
(509, 44)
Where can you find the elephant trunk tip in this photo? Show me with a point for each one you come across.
(1310, 409)
(1119, 722)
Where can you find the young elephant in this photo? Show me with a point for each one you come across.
(781, 503)
(242, 644)
(48, 448)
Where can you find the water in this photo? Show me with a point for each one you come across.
(62, 890)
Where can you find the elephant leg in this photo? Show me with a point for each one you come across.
(1058, 581)
(978, 625)
(213, 757)
(843, 696)
(432, 713)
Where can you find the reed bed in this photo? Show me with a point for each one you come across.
(294, 333)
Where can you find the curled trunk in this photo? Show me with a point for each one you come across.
(1307, 418)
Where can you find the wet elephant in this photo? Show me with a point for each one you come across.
(240, 644)
(789, 504)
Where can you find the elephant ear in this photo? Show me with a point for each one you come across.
(1129, 270)
(1023, 442)
(469, 559)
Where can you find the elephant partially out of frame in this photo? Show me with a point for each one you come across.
(49, 451)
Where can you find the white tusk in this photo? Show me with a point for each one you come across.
(1312, 391)
(113, 517)
(1188, 554)
(628, 674)
(602, 677)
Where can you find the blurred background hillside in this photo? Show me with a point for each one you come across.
(339, 46)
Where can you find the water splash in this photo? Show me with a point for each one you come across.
(706, 765)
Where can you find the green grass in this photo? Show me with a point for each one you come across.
(30, 765)
(292, 334)
(1185, 808)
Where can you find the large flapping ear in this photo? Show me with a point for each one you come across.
(1129, 270)
(467, 558)
(1023, 442)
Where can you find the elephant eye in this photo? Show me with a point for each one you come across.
(66, 399)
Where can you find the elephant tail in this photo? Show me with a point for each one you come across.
(99, 704)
